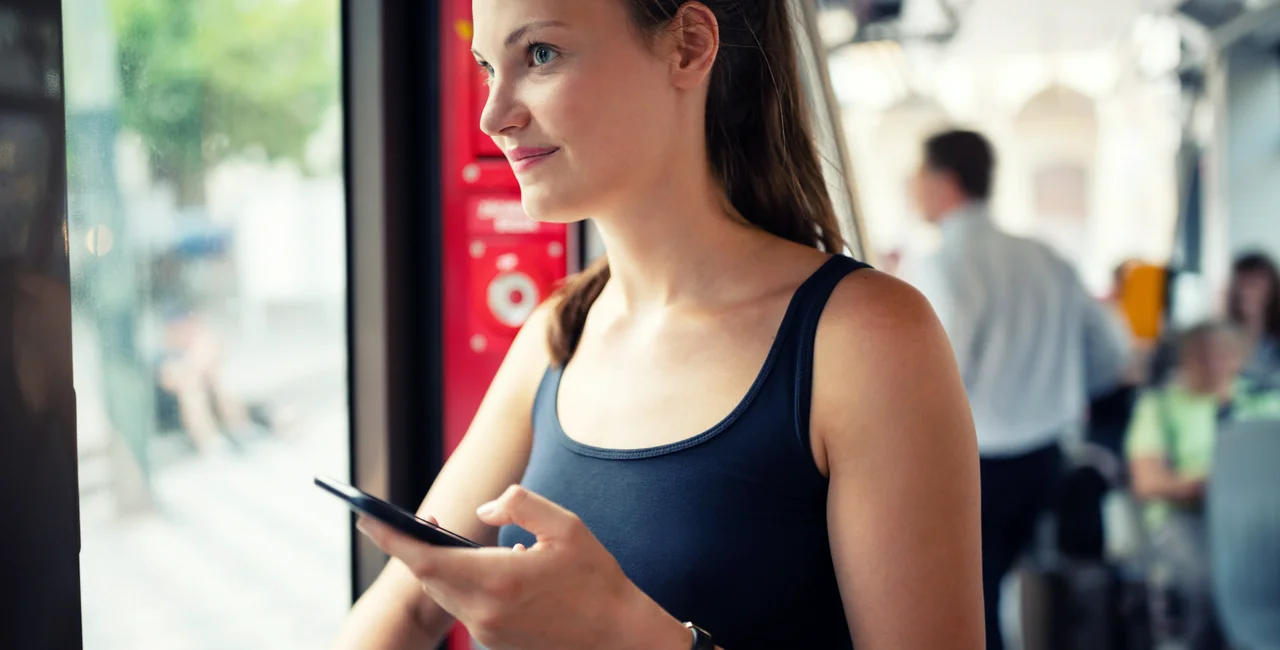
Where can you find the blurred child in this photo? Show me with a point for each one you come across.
(1170, 446)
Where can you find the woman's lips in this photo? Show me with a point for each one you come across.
(523, 158)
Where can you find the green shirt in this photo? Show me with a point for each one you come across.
(1181, 427)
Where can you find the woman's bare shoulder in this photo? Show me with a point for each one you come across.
(881, 351)
(876, 309)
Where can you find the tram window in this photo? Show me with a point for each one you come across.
(207, 238)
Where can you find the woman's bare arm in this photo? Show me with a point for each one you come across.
(395, 614)
(891, 423)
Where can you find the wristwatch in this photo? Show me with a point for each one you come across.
(701, 638)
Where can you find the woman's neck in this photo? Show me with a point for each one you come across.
(682, 243)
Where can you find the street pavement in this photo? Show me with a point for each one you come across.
(243, 552)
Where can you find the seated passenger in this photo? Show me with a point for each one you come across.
(1170, 445)
(190, 371)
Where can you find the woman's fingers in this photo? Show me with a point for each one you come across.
(532, 512)
(375, 530)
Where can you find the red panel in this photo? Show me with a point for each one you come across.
(496, 261)
(508, 280)
(493, 215)
(486, 174)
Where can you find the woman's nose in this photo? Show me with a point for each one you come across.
(503, 112)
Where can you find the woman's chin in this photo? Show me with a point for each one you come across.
(545, 207)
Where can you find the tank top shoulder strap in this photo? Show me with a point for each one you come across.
(800, 333)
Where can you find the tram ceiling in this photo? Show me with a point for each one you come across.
(984, 26)
(1260, 25)
(1213, 13)
(980, 27)
(1042, 27)
(845, 22)
(1223, 23)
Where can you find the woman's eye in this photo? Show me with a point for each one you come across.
(541, 54)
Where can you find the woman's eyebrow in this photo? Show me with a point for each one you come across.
(520, 31)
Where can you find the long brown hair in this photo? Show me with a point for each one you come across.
(759, 143)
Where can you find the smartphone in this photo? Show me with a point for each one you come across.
(402, 520)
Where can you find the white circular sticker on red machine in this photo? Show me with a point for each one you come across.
(512, 298)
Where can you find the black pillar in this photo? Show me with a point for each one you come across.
(39, 519)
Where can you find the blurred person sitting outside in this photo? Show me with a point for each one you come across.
(189, 373)
(189, 369)
(1253, 304)
(1170, 449)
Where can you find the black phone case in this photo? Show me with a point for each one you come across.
(398, 518)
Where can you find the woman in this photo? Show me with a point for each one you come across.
(1254, 305)
(836, 501)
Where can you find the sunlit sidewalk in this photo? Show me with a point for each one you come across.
(245, 553)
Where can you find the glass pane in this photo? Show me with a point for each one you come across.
(827, 131)
(207, 245)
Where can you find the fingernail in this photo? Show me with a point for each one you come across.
(361, 526)
(487, 509)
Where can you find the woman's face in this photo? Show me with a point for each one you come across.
(580, 104)
(1253, 292)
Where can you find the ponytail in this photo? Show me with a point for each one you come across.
(759, 143)
(574, 300)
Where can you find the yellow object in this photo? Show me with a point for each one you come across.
(463, 29)
(1142, 296)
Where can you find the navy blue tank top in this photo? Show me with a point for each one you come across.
(727, 529)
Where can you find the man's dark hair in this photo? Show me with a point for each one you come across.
(967, 156)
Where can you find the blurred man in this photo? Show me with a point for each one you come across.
(1032, 346)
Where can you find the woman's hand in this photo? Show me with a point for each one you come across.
(565, 592)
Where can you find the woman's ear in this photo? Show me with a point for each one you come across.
(693, 41)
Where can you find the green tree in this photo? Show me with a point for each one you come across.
(205, 79)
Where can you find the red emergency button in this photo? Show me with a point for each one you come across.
(512, 298)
